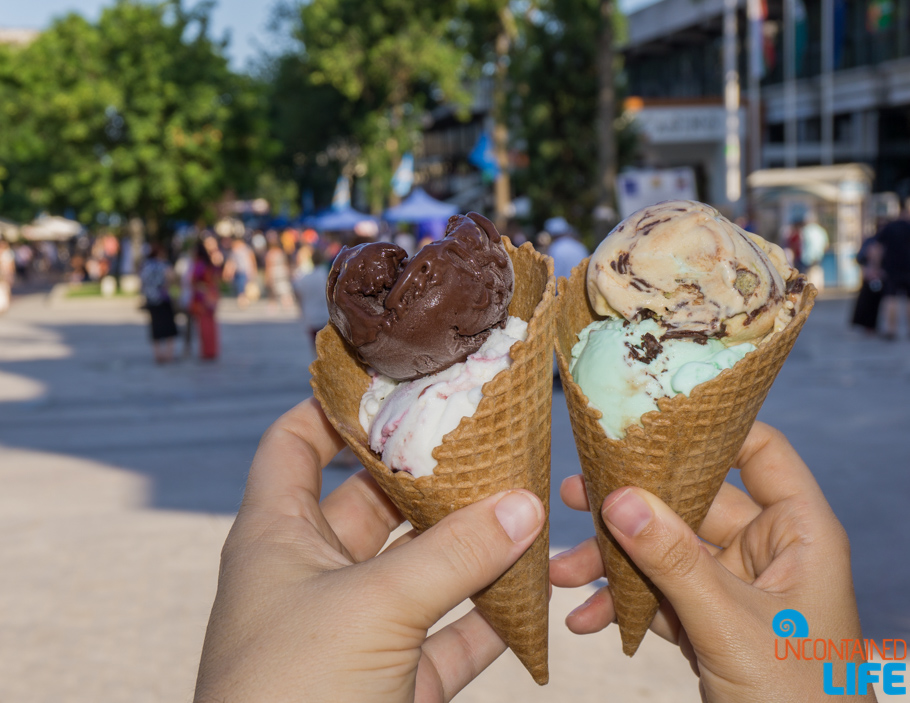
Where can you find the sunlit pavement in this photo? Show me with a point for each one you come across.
(119, 479)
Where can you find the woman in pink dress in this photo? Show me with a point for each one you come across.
(205, 279)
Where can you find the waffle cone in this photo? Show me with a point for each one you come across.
(506, 444)
(681, 454)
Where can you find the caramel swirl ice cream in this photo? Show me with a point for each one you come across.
(700, 275)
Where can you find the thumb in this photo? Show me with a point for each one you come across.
(464, 552)
(668, 552)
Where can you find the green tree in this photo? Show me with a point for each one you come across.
(489, 31)
(314, 125)
(138, 114)
(391, 60)
(555, 78)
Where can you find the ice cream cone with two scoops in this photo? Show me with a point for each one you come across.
(681, 269)
(503, 444)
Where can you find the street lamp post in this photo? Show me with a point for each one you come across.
(731, 104)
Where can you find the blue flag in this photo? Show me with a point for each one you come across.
(483, 156)
(403, 178)
(342, 197)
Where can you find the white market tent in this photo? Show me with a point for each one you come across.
(52, 228)
(420, 207)
(8, 230)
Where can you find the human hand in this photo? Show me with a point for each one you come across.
(306, 609)
(780, 548)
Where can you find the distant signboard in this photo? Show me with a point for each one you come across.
(683, 124)
(638, 189)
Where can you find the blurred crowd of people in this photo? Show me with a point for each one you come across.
(288, 268)
(185, 280)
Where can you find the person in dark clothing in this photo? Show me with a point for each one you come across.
(869, 298)
(156, 276)
(892, 255)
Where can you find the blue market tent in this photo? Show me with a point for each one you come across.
(420, 207)
(333, 220)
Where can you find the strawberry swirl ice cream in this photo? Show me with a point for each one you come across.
(406, 421)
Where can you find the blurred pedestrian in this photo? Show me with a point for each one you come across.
(567, 252)
(869, 297)
(7, 275)
(241, 271)
(791, 239)
(309, 285)
(156, 276)
(289, 239)
(515, 233)
(278, 275)
(24, 256)
(206, 291)
(184, 271)
(893, 257)
(813, 243)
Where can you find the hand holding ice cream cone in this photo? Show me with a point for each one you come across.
(761, 552)
(306, 607)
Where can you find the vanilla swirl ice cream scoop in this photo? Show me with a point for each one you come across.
(698, 273)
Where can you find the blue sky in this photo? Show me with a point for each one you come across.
(245, 19)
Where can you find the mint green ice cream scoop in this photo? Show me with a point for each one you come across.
(625, 367)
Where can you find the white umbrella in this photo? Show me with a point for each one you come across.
(52, 228)
(8, 229)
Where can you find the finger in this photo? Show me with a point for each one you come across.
(455, 656)
(730, 513)
(404, 539)
(461, 554)
(361, 515)
(594, 615)
(597, 613)
(770, 468)
(578, 566)
(286, 474)
(573, 493)
(668, 552)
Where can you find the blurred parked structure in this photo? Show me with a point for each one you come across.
(822, 81)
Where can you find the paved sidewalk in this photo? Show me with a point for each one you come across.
(119, 479)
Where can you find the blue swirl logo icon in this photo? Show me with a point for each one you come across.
(790, 623)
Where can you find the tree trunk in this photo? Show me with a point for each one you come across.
(502, 187)
(605, 214)
(136, 228)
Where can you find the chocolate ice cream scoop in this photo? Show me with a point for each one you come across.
(695, 271)
(408, 319)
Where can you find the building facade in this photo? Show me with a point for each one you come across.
(829, 81)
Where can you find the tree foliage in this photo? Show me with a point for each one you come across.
(138, 115)
(389, 61)
(554, 107)
(315, 124)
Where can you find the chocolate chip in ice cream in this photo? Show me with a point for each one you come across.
(411, 318)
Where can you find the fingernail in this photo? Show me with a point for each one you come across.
(519, 515)
(563, 555)
(627, 512)
(582, 607)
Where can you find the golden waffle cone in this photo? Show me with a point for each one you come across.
(506, 444)
(681, 454)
